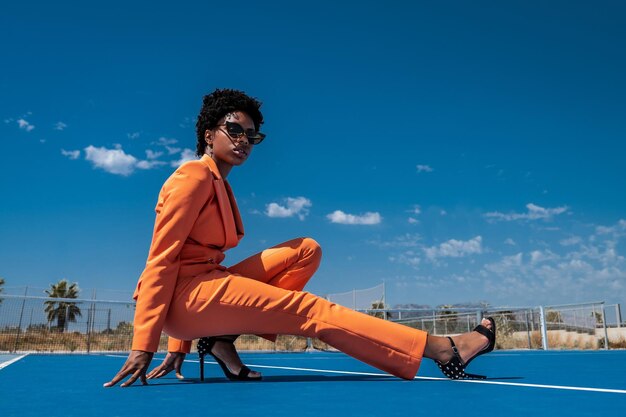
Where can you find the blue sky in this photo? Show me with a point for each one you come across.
(459, 152)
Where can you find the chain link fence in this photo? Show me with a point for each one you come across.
(44, 324)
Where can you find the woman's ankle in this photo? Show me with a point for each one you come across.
(438, 348)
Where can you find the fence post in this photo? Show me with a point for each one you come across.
(90, 318)
(544, 330)
(19, 326)
(618, 315)
(606, 332)
(530, 345)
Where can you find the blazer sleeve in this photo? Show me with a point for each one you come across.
(181, 199)
(177, 345)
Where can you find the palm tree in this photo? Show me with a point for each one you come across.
(62, 311)
(379, 305)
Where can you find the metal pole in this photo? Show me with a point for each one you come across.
(19, 326)
(91, 315)
(544, 331)
(89, 329)
(606, 332)
(528, 330)
(618, 315)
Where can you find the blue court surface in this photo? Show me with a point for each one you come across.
(521, 383)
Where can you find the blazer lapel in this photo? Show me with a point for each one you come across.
(231, 219)
(235, 212)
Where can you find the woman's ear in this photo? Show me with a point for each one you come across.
(208, 137)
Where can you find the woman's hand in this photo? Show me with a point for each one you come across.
(173, 361)
(137, 365)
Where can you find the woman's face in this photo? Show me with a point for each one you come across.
(227, 149)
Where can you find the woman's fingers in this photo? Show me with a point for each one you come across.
(139, 373)
(123, 373)
(136, 364)
(159, 371)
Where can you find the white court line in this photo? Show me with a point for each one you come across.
(9, 362)
(426, 378)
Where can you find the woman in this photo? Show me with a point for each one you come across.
(186, 292)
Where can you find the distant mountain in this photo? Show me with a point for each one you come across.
(424, 310)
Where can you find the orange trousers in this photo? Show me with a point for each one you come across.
(262, 295)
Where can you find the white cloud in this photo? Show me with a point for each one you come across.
(424, 168)
(163, 141)
(369, 218)
(149, 164)
(455, 249)
(114, 161)
(443, 212)
(538, 256)
(187, 121)
(408, 240)
(619, 228)
(416, 209)
(510, 242)
(186, 155)
(408, 258)
(589, 272)
(133, 135)
(24, 125)
(535, 212)
(150, 154)
(59, 126)
(411, 220)
(71, 154)
(298, 206)
(172, 151)
(574, 240)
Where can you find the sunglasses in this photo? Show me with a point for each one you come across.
(236, 131)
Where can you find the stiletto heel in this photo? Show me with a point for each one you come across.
(201, 366)
(455, 368)
(205, 346)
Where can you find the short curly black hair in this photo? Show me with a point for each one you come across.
(217, 105)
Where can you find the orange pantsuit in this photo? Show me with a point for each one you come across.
(186, 292)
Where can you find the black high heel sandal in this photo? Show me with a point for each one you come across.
(205, 346)
(455, 368)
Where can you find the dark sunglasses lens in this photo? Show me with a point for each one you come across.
(234, 129)
(256, 138)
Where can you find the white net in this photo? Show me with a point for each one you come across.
(363, 299)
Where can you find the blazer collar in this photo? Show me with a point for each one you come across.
(208, 161)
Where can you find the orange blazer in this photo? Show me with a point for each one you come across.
(197, 219)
